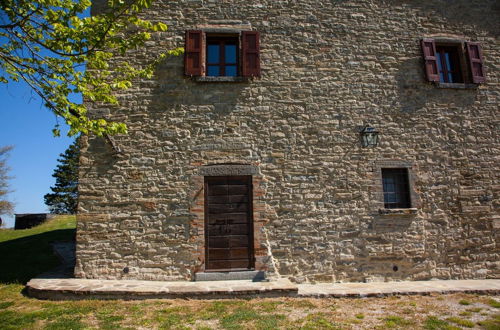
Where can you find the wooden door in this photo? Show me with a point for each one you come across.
(228, 223)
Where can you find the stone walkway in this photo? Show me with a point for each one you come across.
(71, 288)
(376, 289)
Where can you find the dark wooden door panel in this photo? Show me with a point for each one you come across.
(227, 230)
(218, 190)
(218, 254)
(225, 190)
(221, 199)
(239, 241)
(226, 241)
(228, 218)
(227, 265)
(241, 253)
(228, 254)
(227, 208)
(218, 242)
(241, 180)
(237, 190)
(228, 221)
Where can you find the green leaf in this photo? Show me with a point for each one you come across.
(50, 50)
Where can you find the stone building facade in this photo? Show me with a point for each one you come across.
(315, 204)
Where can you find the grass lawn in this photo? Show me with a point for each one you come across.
(458, 311)
(26, 253)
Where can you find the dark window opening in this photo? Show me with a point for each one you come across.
(448, 62)
(222, 56)
(396, 188)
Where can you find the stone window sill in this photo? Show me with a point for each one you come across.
(220, 79)
(456, 85)
(410, 211)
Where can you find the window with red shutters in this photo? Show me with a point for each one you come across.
(445, 62)
(222, 54)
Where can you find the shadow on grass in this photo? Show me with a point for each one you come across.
(23, 258)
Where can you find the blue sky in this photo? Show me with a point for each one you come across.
(27, 125)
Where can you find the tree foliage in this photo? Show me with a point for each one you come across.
(64, 196)
(5, 205)
(58, 52)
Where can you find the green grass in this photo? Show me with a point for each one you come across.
(270, 321)
(491, 323)
(57, 223)
(269, 306)
(27, 253)
(319, 320)
(301, 303)
(433, 323)
(461, 322)
(464, 302)
(239, 316)
(494, 303)
(395, 321)
(474, 309)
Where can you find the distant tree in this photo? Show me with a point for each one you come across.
(5, 205)
(64, 196)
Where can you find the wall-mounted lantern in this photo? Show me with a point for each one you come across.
(369, 136)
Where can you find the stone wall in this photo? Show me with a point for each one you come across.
(328, 68)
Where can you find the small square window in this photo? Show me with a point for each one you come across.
(396, 188)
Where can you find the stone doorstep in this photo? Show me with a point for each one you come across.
(254, 276)
(77, 289)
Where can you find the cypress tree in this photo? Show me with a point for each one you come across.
(64, 196)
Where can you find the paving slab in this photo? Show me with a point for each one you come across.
(380, 289)
(72, 288)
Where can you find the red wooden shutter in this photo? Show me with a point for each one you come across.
(430, 59)
(193, 65)
(476, 62)
(250, 49)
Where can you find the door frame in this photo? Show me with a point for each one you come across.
(251, 250)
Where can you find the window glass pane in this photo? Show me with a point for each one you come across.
(213, 54)
(213, 70)
(230, 54)
(448, 66)
(447, 60)
(440, 67)
(231, 71)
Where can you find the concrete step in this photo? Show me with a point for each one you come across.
(253, 275)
